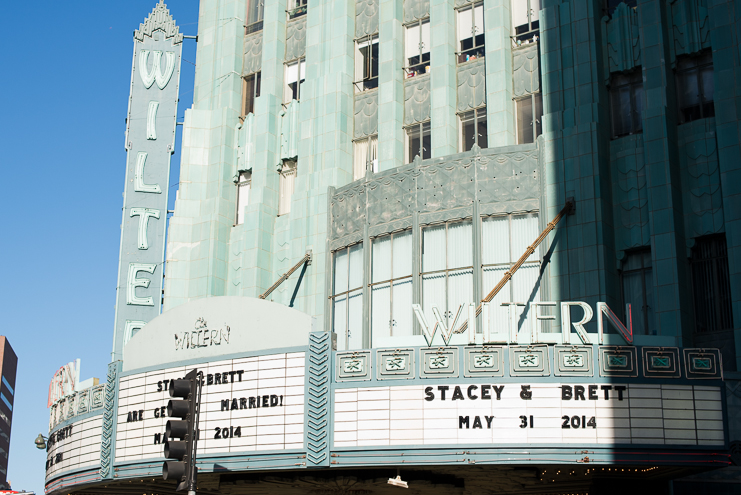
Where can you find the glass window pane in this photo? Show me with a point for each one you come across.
(526, 284)
(538, 114)
(403, 323)
(465, 26)
(524, 232)
(688, 95)
(339, 323)
(633, 295)
(360, 155)
(412, 43)
(340, 271)
(495, 240)
(426, 141)
(479, 18)
(467, 131)
(460, 293)
(638, 107)
(525, 120)
(482, 131)
(433, 248)
(381, 259)
(460, 245)
(355, 320)
(621, 110)
(381, 310)
(497, 313)
(534, 10)
(413, 143)
(708, 89)
(402, 254)
(433, 293)
(519, 14)
(426, 37)
(355, 278)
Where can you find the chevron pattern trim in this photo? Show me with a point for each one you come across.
(109, 416)
(318, 366)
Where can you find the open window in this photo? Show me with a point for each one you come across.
(295, 75)
(471, 32)
(250, 91)
(419, 141)
(255, 12)
(366, 63)
(417, 48)
(244, 184)
(473, 129)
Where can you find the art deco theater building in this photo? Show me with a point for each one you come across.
(487, 247)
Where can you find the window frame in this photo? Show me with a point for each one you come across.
(420, 129)
(462, 56)
(255, 25)
(631, 81)
(536, 101)
(371, 82)
(243, 181)
(423, 66)
(392, 281)
(351, 291)
(701, 62)
(370, 165)
(645, 280)
(249, 100)
(533, 26)
(296, 8)
(301, 62)
(476, 118)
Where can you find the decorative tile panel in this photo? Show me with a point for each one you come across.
(366, 17)
(252, 53)
(661, 362)
(109, 420)
(471, 85)
(366, 114)
(621, 37)
(483, 361)
(618, 361)
(526, 69)
(296, 38)
(531, 360)
(289, 130)
(576, 360)
(416, 9)
(690, 25)
(417, 100)
(395, 364)
(703, 363)
(318, 374)
(438, 362)
(353, 366)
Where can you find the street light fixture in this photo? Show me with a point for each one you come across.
(40, 442)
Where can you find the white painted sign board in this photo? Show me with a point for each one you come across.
(74, 446)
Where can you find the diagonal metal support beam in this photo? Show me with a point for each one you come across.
(567, 209)
(306, 260)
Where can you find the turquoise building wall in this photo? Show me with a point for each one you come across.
(661, 188)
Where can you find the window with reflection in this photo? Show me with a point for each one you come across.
(255, 12)
(418, 141)
(391, 286)
(529, 118)
(504, 239)
(366, 63)
(347, 297)
(695, 86)
(471, 32)
(473, 129)
(447, 269)
(417, 48)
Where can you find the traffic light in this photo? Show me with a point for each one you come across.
(181, 435)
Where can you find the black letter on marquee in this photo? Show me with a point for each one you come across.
(461, 421)
(442, 389)
(428, 394)
(485, 389)
(579, 392)
(471, 388)
(619, 389)
(566, 393)
(498, 391)
(225, 405)
(525, 393)
(593, 392)
(457, 394)
(488, 421)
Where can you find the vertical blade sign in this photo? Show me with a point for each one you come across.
(150, 142)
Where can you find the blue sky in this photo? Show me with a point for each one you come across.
(63, 100)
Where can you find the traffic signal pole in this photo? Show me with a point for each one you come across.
(193, 478)
(181, 435)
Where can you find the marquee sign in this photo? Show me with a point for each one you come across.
(247, 404)
(150, 141)
(74, 446)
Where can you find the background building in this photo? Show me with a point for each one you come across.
(8, 366)
(407, 153)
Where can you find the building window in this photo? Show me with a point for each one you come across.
(447, 269)
(626, 102)
(529, 118)
(504, 240)
(366, 63)
(286, 185)
(417, 48)
(297, 8)
(255, 12)
(637, 285)
(473, 129)
(347, 297)
(711, 285)
(418, 141)
(611, 5)
(391, 286)
(471, 32)
(366, 156)
(525, 20)
(695, 86)
(243, 195)
(250, 91)
(295, 75)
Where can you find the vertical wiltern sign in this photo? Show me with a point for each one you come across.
(150, 142)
